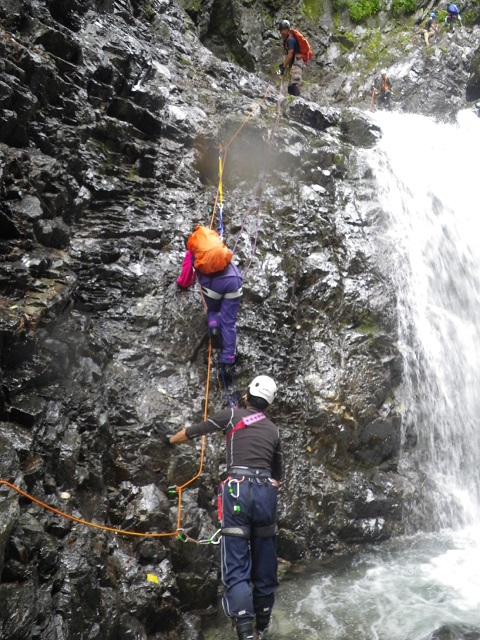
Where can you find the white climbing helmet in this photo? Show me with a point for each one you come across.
(263, 387)
(284, 24)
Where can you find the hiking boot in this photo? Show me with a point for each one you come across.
(262, 626)
(216, 338)
(245, 631)
(262, 634)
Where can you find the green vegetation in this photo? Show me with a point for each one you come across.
(339, 5)
(362, 9)
(401, 7)
(149, 10)
(441, 15)
(312, 9)
(374, 46)
(367, 328)
(346, 39)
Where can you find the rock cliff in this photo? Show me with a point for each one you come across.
(111, 114)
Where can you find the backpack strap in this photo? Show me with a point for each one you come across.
(245, 422)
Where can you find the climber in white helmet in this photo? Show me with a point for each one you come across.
(248, 499)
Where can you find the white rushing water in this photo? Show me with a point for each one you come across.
(428, 185)
(408, 588)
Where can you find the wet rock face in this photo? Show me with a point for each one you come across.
(348, 57)
(111, 114)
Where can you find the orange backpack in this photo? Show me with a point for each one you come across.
(306, 51)
(210, 253)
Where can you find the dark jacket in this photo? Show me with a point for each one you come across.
(256, 446)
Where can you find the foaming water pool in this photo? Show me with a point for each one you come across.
(402, 590)
(405, 589)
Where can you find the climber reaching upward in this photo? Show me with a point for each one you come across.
(221, 283)
(247, 505)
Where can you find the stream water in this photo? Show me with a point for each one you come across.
(424, 585)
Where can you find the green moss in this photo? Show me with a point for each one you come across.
(362, 9)
(470, 17)
(401, 7)
(196, 5)
(149, 10)
(366, 328)
(374, 46)
(346, 39)
(339, 5)
(312, 9)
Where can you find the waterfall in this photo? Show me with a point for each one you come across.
(424, 585)
(427, 176)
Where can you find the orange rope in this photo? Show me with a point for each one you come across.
(123, 531)
(202, 450)
(85, 522)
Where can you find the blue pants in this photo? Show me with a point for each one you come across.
(249, 566)
(223, 294)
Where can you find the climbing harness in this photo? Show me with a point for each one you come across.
(245, 422)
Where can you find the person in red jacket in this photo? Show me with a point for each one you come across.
(384, 91)
(249, 499)
(292, 61)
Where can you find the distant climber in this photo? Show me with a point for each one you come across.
(384, 91)
(297, 52)
(247, 505)
(453, 14)
(430, 28)
(221, 283)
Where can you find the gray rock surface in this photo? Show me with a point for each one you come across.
(111, 113)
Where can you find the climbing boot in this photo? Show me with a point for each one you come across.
(216, 338)
(245, 630)
(262, 625)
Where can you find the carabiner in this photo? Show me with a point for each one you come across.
(230, 488)
(217, 537)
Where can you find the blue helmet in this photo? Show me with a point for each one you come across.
(433, 14)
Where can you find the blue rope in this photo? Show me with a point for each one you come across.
(221, 229)
(232, 404)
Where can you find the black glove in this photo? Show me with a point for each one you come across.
(281, 69)
(164, 432)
